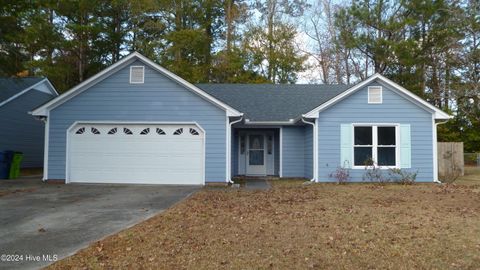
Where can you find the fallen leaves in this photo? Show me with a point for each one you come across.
(293, 226)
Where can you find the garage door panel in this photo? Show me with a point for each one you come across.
(120, 151)
(144, 156)
(165, 164)
(149, 149)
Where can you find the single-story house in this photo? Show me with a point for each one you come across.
(18, 130)
(136, 122)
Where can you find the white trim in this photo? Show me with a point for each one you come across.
(239, 152)
(78, 88)
(270, 132)
(229, 148)
(248, 166)
(315, 150)
(280, 152)
(53, 91)
(258, 127)
(439, 114)
(314, 158)
(143, 74)
(375, 88)
(435, 149)
(46, 148)
(375, 143)
(52, 87)
(41, 111)
(289, 122)
(271, 156)
(86, 122)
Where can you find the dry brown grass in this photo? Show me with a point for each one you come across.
(322, 226)
(471, 176)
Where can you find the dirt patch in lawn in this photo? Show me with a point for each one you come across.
(295, 226)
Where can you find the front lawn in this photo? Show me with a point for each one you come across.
(471, 176)
(295, 226)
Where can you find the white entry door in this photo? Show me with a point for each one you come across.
(256, 159)
(136, 153)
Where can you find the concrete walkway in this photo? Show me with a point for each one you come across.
(257, 184)
(46, 222)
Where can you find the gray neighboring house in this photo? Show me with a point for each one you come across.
(136, 122)
(19, 131)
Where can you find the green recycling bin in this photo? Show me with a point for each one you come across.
(15, 165)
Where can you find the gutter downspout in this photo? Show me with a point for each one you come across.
(314, 159)
(436, 153)
(229, 158)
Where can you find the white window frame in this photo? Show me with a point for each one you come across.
(381, 94)
(375, 145)
(143, 74)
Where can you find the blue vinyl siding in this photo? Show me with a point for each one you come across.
(234, 159)
(308, 152)
(22, 132)
(394, 109)
(293, 147)
(159, 99)
(276, 151)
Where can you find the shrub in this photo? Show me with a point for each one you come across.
(341, 174)
(452, 175)
(402, 176)
(373, 173)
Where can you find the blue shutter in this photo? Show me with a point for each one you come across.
(405, 146)
(346, 145)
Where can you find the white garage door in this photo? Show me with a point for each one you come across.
(134, 153)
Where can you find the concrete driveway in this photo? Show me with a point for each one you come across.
(42, 222)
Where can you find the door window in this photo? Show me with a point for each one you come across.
(256, 150)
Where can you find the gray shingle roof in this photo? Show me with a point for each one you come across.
(11, 86)
(273, 102)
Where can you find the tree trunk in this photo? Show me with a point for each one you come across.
(81, 49)
(333, 38)
(447, 88)
(347, 66)
(271, 50)
(229, 22)
(209, 34)
(435, 85)
(117, 30)
(178, 27)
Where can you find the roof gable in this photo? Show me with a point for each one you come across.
(438, 114)
(12, 88)
(43, 110)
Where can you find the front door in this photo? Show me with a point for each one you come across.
(256, 163)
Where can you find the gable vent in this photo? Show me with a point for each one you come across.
(374, 94)
(137, 74)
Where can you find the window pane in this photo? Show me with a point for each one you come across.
(386, 135)
(363, 135)
(363, 156)
(386, 156)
